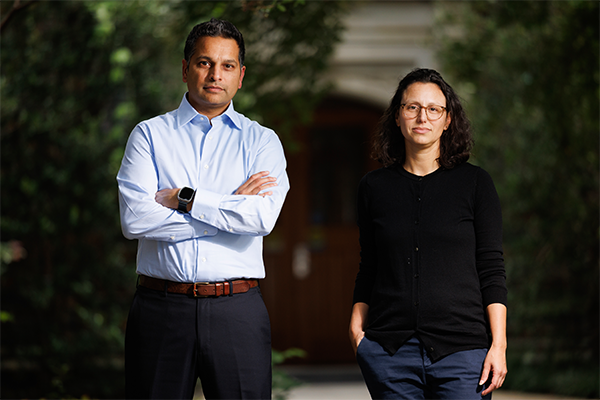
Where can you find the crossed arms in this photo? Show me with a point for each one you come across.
(150, 176)
(255, 185)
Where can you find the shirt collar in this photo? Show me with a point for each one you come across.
(185, 113)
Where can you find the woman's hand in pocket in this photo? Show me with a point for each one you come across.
(358, 322)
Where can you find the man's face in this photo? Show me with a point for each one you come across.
(213, 75)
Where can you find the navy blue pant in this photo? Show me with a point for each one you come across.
(410, 374)
(174, 339)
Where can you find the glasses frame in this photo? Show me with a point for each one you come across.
(419, 112)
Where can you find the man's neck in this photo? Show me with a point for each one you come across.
(209, 112)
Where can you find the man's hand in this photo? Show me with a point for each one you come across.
(253, 186)
(257, 183)
(168, 198)
(494, 366)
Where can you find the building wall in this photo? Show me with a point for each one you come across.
(383, 41)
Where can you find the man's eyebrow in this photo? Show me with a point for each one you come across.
(207, 58)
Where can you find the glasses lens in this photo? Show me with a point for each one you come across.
(434, 112)
(413, 110)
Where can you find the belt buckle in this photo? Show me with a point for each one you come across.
(196, 290)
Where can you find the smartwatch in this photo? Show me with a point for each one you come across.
(184, 196)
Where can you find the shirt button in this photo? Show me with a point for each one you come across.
(206, 166)
(416, 249)
(202, 216)
(203, 259)
(206, 232)
(230, 229)
(417, 222)
(172, 237)
(210, 138)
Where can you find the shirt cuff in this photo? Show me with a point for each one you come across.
(206, 206)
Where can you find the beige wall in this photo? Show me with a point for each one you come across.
(382, 42)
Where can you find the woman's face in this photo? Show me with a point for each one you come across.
(421, 132)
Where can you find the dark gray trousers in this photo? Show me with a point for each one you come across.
(174, 339)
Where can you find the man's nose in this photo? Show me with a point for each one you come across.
(214, 73)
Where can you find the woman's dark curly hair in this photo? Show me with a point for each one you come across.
(456, 141)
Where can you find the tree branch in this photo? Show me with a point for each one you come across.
(17, 5)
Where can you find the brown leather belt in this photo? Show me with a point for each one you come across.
(199, 289)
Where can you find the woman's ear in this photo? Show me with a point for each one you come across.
(448, 120)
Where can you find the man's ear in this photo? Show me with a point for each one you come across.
(184, 70)
(242, 73)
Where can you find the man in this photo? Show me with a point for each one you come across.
(198, 188)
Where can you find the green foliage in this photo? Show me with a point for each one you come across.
(529, 74)
(288, 45)
(64, 87)
(282, 382)
(76, 77)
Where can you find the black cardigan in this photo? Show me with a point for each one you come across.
(431, 257)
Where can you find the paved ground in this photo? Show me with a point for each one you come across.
(358, 391)
(345, 382)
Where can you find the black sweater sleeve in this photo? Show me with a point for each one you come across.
(365, 278)
(488, 234)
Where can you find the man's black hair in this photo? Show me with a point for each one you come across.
(214, 28)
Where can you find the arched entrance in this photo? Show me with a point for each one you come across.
(312, 255)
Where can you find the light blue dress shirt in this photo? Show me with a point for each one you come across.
(221, 238)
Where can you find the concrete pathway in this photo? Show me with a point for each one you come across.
(358, 391)
(345, 382)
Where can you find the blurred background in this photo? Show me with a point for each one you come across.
(76, 76)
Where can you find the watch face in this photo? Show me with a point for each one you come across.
(186, 193)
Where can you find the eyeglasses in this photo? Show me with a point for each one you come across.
(413, 110)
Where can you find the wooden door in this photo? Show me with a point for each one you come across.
(312, 255)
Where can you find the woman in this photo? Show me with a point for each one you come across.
(429, 313)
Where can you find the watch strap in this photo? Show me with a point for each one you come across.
(182, 207)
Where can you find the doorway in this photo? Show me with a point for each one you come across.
(312, 255)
